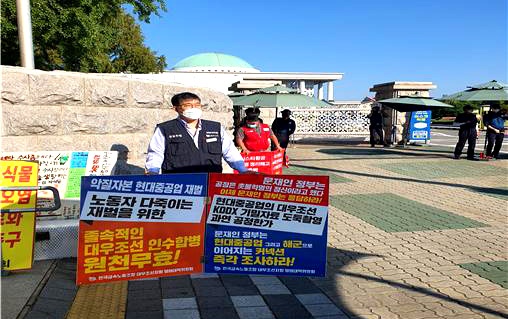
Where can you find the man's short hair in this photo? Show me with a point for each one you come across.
(286, 111)
(468, 107)
(495, 106)
(177, 99)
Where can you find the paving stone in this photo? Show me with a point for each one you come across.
(177, 282)
(313, 299)
(248, 301)
(255, 313)
(177, 292)
(58, 294)
(144, 315)
(143, 284)
(39, 315)
(236, 280)
(394, 213)
(290, 312)
(62, 284)
(206, 282)
(242, 290)
(299, 285)
(215, 313)
(441, 169)
(273, 289)
(144, 294)
(265, 280)
(282, 300)
(495, 271)
(179, 303)
(210, 291)
(141, 305)
(214, 302)
(182, 314)
(56, 308)
(324, 309)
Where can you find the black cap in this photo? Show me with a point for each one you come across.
(252, 111)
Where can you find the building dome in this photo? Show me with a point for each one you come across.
(214, 62)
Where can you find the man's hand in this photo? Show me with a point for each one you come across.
(246, 151)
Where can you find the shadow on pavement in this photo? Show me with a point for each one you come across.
(478, 189)
(401, 152)
(346, 257)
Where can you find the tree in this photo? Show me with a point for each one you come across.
(84, 35)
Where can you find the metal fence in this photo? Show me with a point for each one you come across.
(350, 120)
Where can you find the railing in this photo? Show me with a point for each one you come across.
(347, 121)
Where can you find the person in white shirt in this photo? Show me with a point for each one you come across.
(189, 144)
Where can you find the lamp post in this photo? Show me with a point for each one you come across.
(25, 34)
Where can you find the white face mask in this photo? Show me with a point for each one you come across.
(193, 113)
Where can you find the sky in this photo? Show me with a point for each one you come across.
(452, 43)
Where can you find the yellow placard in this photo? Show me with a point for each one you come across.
(17, 230)
(18, 173)
(17, 236)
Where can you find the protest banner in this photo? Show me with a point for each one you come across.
(17, 229)
(264, 162)
(63, 170)
(267, 224)
(134, 227)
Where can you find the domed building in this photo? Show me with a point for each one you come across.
(228, 74)
(214, 62)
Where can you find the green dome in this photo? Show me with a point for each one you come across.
(213, 62)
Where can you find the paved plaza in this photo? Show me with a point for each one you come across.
(411, 234)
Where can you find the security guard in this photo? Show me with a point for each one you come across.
(189, 144)
(467, 123)
(494, 121)
(376, 126)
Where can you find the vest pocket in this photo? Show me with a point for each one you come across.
(214, 147)
(178, 148)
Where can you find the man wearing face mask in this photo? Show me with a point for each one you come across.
(189, 144)
(494, 121)
(254, 136)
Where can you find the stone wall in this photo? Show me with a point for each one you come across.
(49, 111)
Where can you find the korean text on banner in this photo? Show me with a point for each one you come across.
(63, 170)
(17, 229)
(267, 224)
(264, 162)
(135, 227)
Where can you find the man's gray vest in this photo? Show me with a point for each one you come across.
(181, 154)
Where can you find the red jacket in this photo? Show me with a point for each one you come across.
(255, 142)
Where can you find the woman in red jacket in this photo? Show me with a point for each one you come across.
(254, 136)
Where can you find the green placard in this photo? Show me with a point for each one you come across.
(74, 182)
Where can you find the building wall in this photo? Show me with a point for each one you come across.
(50, 111)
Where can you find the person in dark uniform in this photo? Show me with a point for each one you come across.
(283, 128)
(467, 122)
(376, 126)
(494, 122)
(189, 144)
